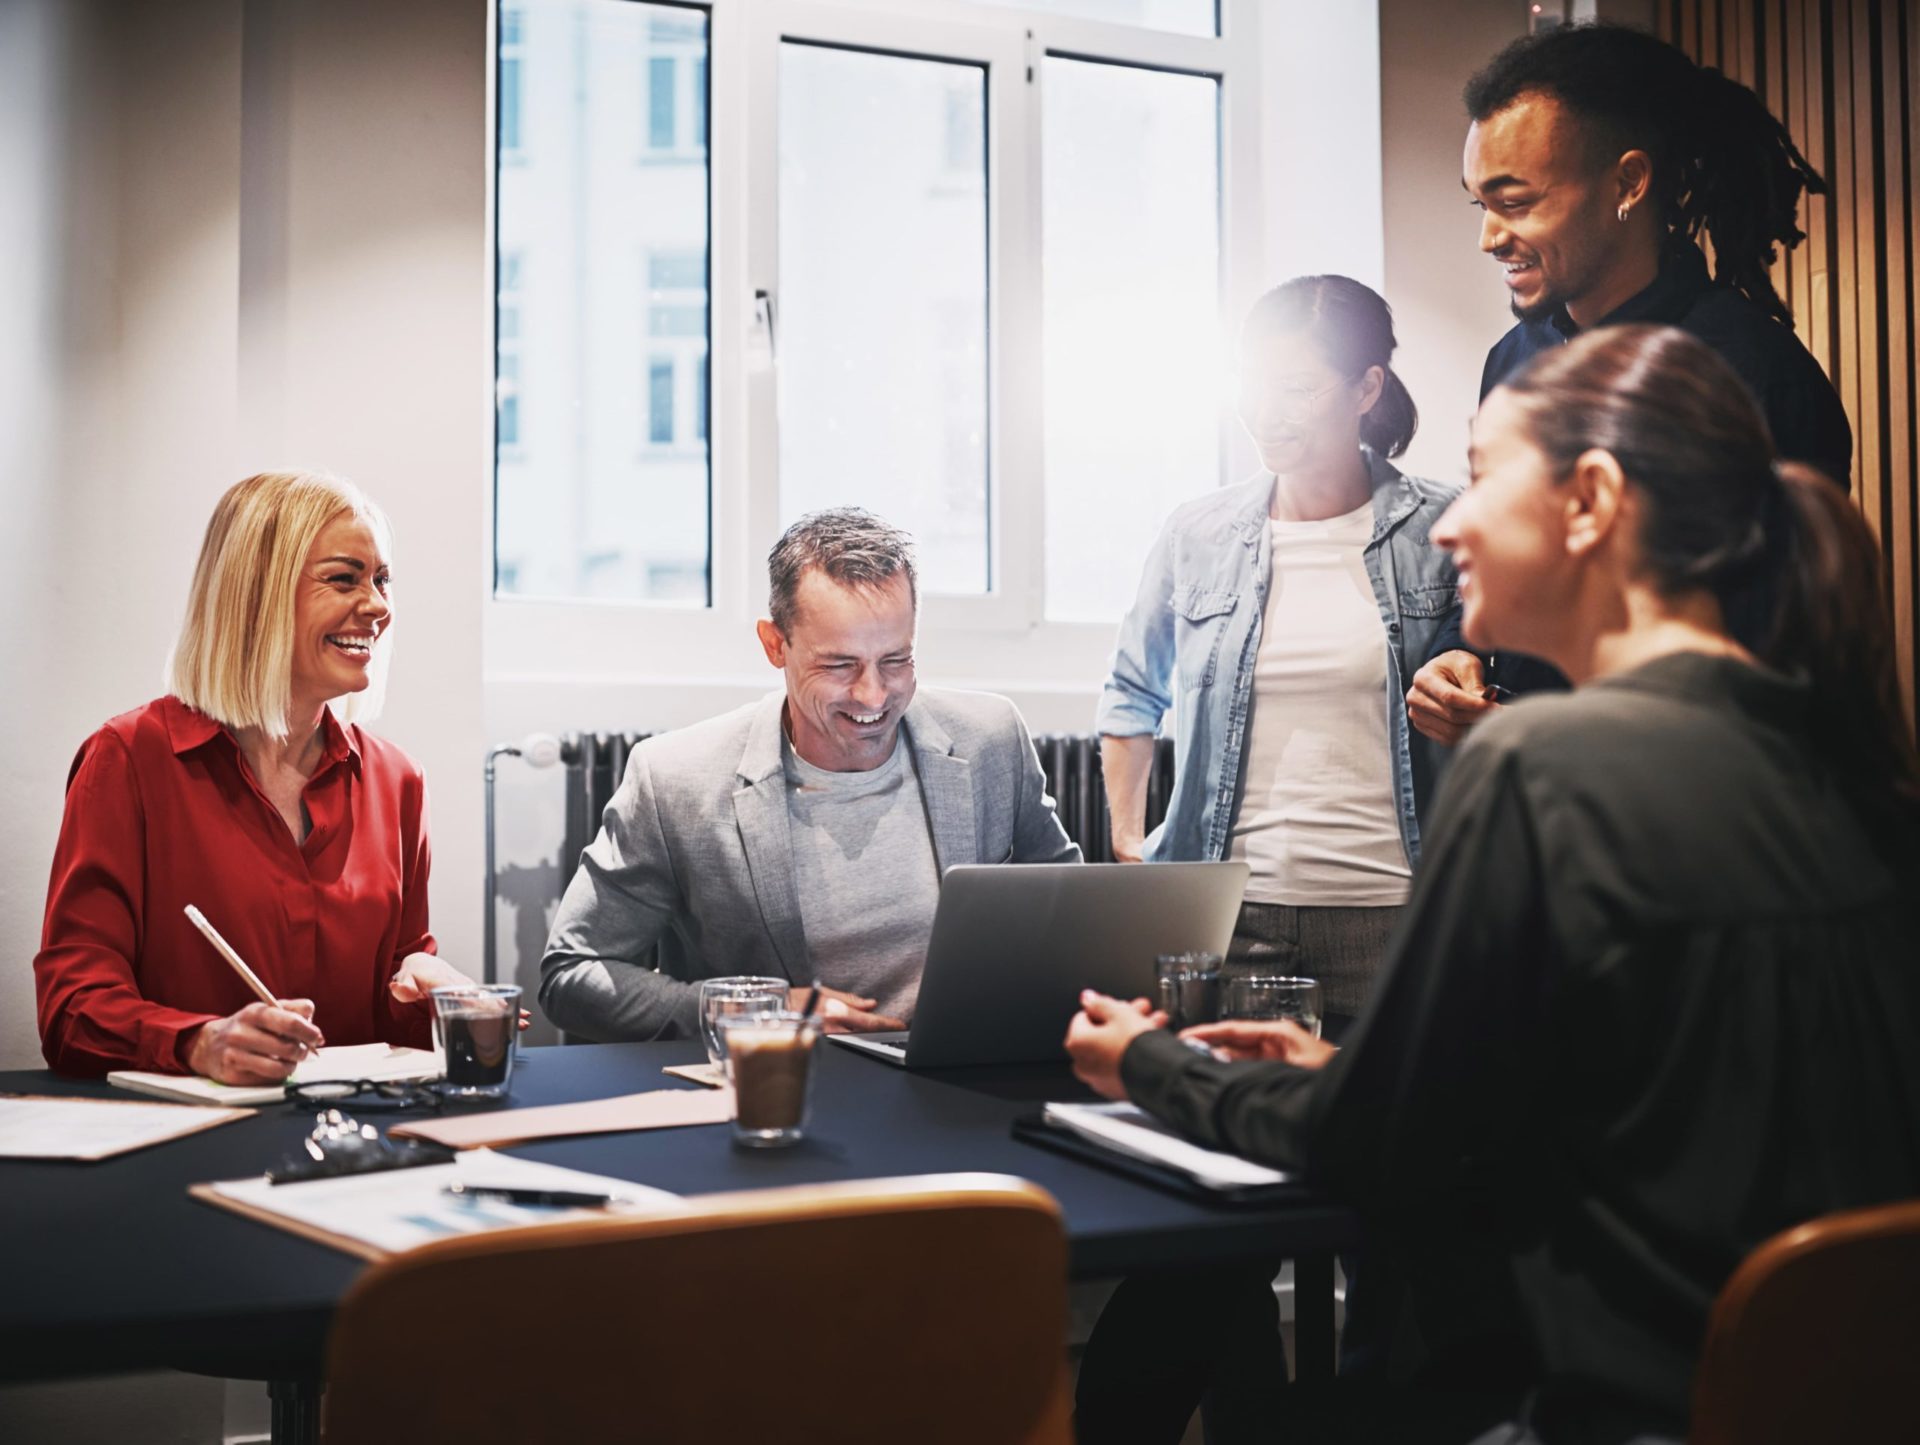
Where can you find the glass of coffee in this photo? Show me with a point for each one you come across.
(738, 994)
(475, 1025)
(770, 1065)
(1275, 996)
(1189, 986)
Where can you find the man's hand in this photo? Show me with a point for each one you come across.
(421, 973)
(1099, 1035)
(1281, 1039)
(1448, 696)
(259, 1045)
(1127, 849)
(846, 1013)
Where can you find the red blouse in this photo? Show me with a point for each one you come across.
(161, 812)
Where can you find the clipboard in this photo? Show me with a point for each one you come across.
(1034, 1129)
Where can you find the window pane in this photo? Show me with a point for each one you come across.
(883, 299)
(1186, 17)
(660, 103)
(601, 484)
(1131, 249)
(660, 402)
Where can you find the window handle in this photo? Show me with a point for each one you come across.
(761, 345)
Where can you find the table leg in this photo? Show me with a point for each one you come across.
(296, 1411)
(1313, 1317)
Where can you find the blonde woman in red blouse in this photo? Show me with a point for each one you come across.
(252, 791)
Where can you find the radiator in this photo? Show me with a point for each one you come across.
(1071, 761)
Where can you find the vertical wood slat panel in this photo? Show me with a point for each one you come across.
(1863, 296)
(1896, 117)
(1904, 50)
(1844, 75)
(1818, 323)
(1793, 70)
(1770, 37)
(1843, 201)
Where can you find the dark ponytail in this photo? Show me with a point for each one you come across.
(1352, 327)
(1831, 622)
(1793, 564)
(1390, 426)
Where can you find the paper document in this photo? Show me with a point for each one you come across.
(34, 1127)
(657, 1109)
(707, 1076)
(373, 1215)
(380, 1063)
(1131, 1130)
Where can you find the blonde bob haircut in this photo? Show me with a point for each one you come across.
(234, 657)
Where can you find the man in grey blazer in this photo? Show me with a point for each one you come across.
(802, 836)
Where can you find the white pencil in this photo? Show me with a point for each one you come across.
(225, 949)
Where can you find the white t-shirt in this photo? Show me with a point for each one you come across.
(1316, 815)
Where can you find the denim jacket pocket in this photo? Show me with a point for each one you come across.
(1200, 622)
(1435, 599)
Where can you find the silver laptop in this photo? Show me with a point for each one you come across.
(1013, 945)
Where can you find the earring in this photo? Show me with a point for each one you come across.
(1622, 212)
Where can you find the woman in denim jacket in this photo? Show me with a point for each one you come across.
(1292, 610)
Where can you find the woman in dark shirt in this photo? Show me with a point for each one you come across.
(1658, 982)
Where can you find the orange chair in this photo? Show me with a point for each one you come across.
(928, 1310)
(1816, 1337)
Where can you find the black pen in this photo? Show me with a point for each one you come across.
(559, 1198)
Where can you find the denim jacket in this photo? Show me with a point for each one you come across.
(1197, 618)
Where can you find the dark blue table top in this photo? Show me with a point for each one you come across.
(111, 1266)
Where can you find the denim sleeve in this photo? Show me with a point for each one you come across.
(1137, 694)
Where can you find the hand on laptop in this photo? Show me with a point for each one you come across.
(1099, 1034)
(847, 1013)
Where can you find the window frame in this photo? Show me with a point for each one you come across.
(1000, 639)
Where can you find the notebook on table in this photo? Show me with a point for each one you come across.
(378, 1063)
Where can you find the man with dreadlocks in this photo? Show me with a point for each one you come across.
(1600, 158)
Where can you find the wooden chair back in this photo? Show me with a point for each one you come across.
(1817, 1336)
(930, 1310)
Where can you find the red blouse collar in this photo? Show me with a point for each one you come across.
(188, 728)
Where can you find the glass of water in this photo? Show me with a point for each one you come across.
(1189, 985)
(736, 995)
(1275, 996)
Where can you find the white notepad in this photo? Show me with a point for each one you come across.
(36, 1127)
(1130, 1130)
(381, 1063)
(374, 1215)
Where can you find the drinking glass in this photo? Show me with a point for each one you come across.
(770, 1065)
(474, 1026)
(1275, 996)
(1189, 985)
(736, 994)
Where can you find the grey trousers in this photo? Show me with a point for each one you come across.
(1342, 947)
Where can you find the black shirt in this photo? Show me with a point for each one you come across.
(1658, 966)
(1803, 410)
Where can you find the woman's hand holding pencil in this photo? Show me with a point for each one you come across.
(261, 1044)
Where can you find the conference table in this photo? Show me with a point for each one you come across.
(111, 1266)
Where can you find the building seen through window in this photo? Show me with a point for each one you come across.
(602, 480)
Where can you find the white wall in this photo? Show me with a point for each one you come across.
(1320, 160)
(241, 236)
(1448, 300)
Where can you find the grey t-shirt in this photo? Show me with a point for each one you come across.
(864, 868)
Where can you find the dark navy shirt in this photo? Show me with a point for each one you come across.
(1803, 410)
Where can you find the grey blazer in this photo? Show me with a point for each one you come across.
(693, 856)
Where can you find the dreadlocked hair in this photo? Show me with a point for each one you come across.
(1723, 166)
